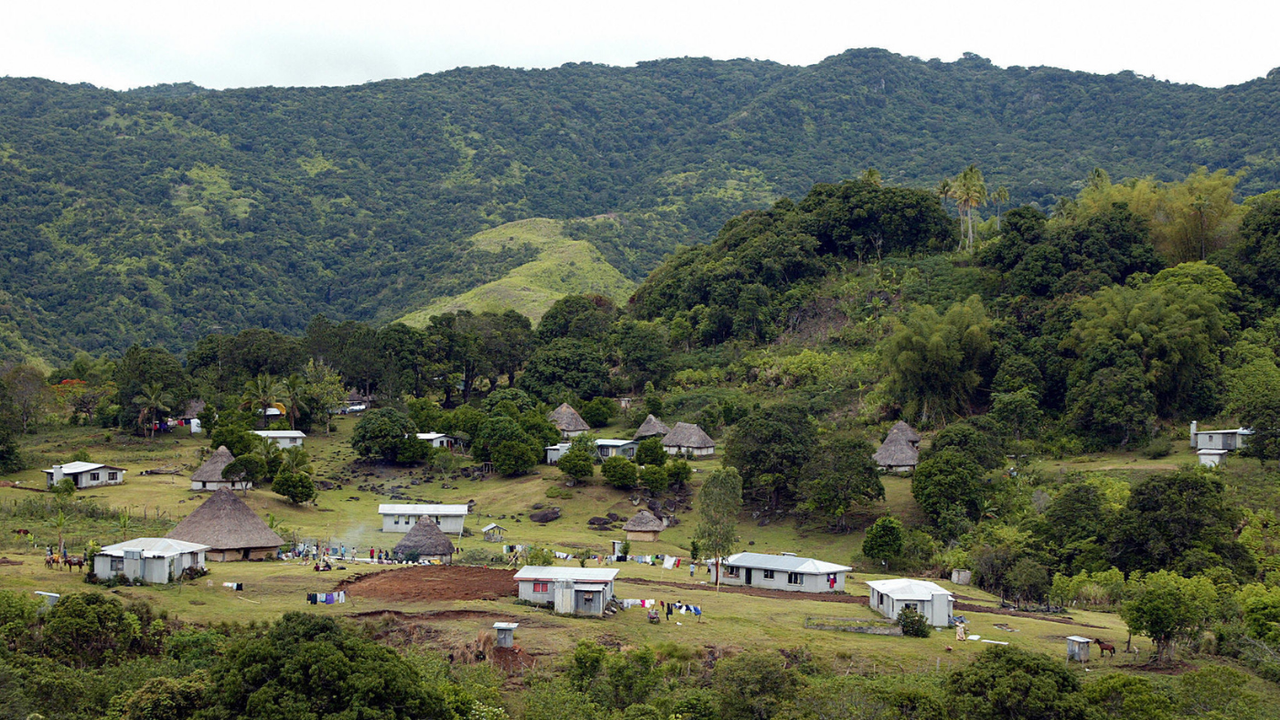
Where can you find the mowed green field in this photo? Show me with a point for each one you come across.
(349, 517)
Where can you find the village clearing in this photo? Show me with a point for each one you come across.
(449, 607)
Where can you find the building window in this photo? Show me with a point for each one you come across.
(397, 520)
(111, 477)
(795, 579)
(117, 565)
(731, 571)
(540, 587)
(93, 477)
(768, 574)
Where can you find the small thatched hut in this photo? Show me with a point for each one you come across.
(644, 527)
(568, 421)
(425, 541)
(230, 529)
(900, 451)
(906, 432)
(208, 477)
(687, 438)
(651, 427)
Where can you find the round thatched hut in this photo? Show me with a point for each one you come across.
(644, 527)
(568, 421)
(651, 427)
(425, 541)
(208, 477)
(230, 528)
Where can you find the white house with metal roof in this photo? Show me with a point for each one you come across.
(283, 438)
(85, 474)
(608, 447)
(156, 560)
(890, 597)
(440, 440)
(402, 518)
(568, 590)
(782, 572)
(1231, 439)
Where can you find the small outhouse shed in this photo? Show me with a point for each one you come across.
(1078, 648)
(890, 597)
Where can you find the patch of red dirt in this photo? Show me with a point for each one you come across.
(432, 582)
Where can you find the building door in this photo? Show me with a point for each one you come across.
(748, 576)
(244, 554)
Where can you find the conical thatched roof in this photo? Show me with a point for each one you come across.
(224, 522)
(905, 431)
(688, 435)
(650, 427)
(644, 521)
(424, 538)
(566, 419)
(896, 451)
(211, 470)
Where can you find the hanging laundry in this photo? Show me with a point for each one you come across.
(669, 563)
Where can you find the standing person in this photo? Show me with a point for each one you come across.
(370, 553)
(669, 608)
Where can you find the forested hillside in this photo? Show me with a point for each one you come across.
(160, 215)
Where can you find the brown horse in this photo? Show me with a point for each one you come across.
(1104, 648)
(51, 561)
(74, 561)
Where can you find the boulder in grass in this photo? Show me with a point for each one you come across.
(546, 516)
(599, 521)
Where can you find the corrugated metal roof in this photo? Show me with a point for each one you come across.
(584, 575)
(153, 547)
(280, 433)
(908, 589)
(423, 509)
(610, 442)
(73, 468)
(784, 563)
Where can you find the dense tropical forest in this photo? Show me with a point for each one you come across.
(160, 215)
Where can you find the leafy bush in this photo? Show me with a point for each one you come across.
(913, 623)
(619, 472)
(1158, 447)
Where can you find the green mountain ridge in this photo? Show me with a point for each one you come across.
(562, 267)
(161, 214)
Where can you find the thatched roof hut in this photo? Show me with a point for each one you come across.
(688, 438)
(904, 431)
(230, 529)
(568, 421)
(644, 527)
(897, 454)
(426, 541)
(651, 427)
(208, 477)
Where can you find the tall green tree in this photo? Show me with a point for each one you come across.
(1167, 607)
(838, 479)
(936, 362)
(719, 503)
(260, 393)
(883, 540)
(768, 448)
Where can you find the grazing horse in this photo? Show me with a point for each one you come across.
(74, 562)
(1104, 648)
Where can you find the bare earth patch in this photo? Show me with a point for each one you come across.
(432, 582)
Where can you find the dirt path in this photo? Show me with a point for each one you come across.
(432, 582)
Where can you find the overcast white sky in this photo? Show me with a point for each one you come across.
(234, 43)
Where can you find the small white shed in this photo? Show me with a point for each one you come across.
(890, 597)
(439, 440)
(568, 590)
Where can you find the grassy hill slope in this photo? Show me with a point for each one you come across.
(561, 267)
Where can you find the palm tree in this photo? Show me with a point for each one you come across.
(1001, 196)
(267, 451)
(152, 401)
(296, 460)
(261, 393)
(970, 192)
(871, 176)
(293, 391)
